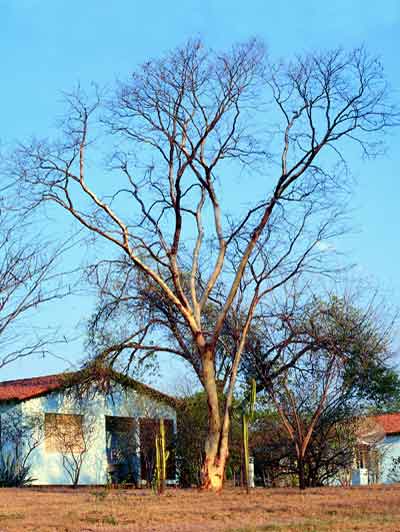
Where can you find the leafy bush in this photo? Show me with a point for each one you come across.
(20, 435)
(14, 474)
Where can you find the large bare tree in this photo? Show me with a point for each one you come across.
(223, 180)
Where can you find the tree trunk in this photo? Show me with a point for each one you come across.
(216, 446)
(213, 472)
(301, 473)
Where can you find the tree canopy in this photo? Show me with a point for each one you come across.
(184, 137)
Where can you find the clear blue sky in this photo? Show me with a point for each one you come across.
(47, 46)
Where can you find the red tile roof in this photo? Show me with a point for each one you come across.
(22, 389)
(389, 422)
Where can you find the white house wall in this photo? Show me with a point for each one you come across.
(389, 448)
(47, 466)
(5, 410)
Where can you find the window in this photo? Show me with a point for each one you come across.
(121, 438)
(63, 432)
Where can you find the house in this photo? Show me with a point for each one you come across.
(378, 448)
(87, 427)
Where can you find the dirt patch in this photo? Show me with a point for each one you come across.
(101, 510)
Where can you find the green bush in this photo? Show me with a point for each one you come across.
(14, 474)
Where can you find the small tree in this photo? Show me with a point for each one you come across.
(336, 360)
(72, 436)
(272, 448)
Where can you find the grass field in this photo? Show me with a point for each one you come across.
(326, 509)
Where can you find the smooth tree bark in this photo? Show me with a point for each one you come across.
(224, 175)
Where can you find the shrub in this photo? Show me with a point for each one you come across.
(14, 474)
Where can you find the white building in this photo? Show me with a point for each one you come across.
(378, 446)
(108, 430)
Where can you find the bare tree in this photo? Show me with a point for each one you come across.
(191, 130)
(333, 360)
(339, 442)
(72, 435)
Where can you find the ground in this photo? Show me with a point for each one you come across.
(98, 509)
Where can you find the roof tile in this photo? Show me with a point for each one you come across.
(389, 422)
(23, 389)
(18, 390)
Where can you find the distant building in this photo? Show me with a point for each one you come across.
(108, 430)
(378, 445)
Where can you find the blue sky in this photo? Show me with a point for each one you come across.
(48, 46)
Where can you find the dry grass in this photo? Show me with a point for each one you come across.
(317, 510)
